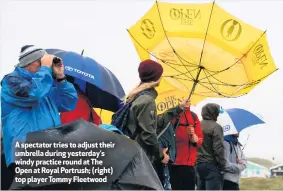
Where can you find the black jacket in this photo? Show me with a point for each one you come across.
(144, 122)
(212, 149)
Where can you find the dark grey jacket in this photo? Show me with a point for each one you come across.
(212, 149)
(144, 122)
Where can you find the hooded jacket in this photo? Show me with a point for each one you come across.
(186, 151)
(177, 140)
(32, 102)
(144, 122)
(212, 149)
(233, 151)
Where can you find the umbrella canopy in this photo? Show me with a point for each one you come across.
(105, 115)
(131, 167)
(205, 52)
(98, 83)
(235, 120)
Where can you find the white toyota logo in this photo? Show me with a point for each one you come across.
(226, 128)
(69, 68)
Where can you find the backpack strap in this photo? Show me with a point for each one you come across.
(235, 150)
(137, 130)
(194, 116)
(232, 147)
(163, 131)
(120, 118)
(187, 121)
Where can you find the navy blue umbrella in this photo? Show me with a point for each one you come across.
(98, 83)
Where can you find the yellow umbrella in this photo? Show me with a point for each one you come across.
(105, 115)
(205, 52)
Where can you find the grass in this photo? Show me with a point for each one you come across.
(262, 183)
(263, 162)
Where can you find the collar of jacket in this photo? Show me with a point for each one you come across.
(153, 93)
(231, 138)
(24, 73)
(21, 73)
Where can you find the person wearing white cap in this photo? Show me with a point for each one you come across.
(32, 97)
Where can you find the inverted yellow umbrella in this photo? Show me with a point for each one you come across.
(205, 52)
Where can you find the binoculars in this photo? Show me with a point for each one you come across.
(56, 60)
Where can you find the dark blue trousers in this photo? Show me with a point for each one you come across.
(209, 177)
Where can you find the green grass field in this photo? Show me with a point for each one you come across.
(263, 162)
(262, 183)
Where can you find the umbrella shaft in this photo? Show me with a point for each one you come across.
(193, 89)
(196, 81)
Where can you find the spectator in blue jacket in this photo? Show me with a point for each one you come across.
(32, 97)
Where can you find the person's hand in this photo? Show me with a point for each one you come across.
(239, 161)
(47, 60)
(166, 156)
(58, 70)
(190, 130)
(194, 138)
(186, 104)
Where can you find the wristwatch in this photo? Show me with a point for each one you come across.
(61, 79)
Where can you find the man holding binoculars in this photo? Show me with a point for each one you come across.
(32, 97)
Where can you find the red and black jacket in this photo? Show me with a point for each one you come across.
(83, 110)
(186, 151)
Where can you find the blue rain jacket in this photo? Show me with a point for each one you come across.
(32, 102)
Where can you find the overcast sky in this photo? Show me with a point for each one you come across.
(99, 27)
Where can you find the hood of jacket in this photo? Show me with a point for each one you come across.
(17, 83)
(210, 111)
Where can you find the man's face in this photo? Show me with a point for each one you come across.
(33, 67)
